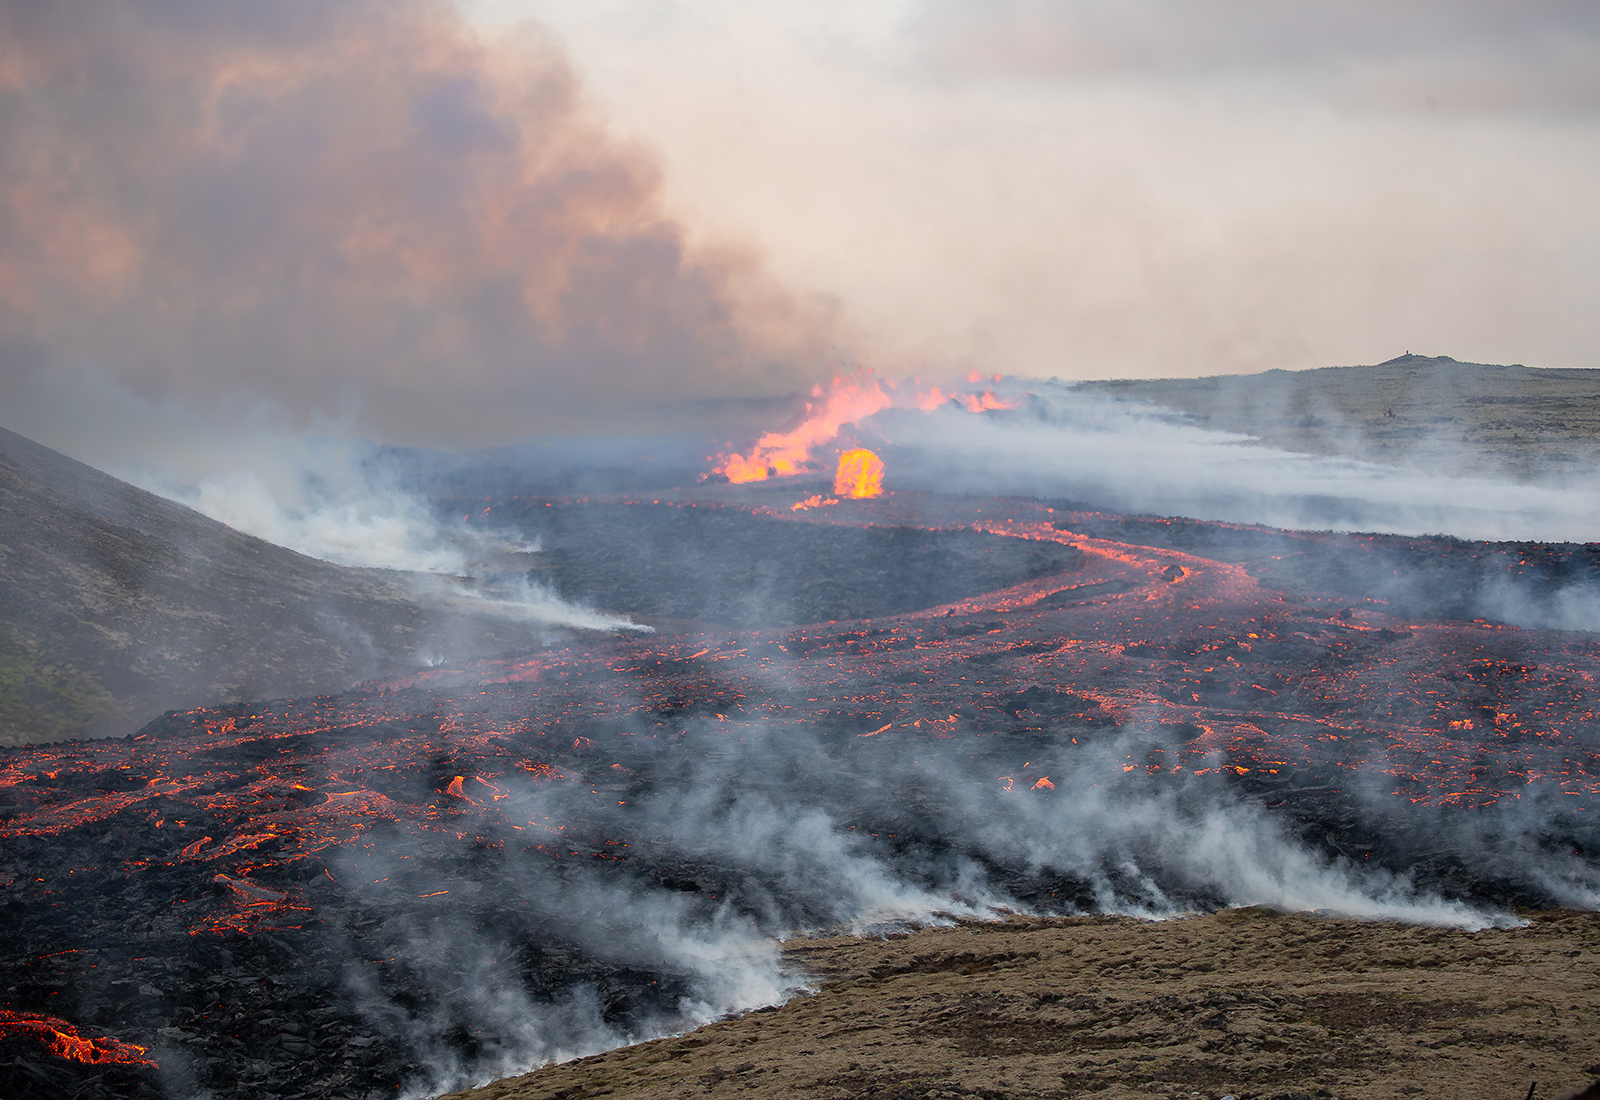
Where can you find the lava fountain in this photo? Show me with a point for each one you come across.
(860, 474)
(848, 400)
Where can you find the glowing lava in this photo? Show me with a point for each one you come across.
(782, 453)
(848, 399)
(860, 474)
(816, 500)
(64, 1041)
(320, 831)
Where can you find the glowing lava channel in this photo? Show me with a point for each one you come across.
(63, 1040)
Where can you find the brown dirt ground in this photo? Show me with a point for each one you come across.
(1248, 1002)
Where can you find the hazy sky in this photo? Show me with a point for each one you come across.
(388, 217)
(1134, 187)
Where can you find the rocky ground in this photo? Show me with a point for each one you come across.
(465, 872)
(1246, 1002)
(117, 605)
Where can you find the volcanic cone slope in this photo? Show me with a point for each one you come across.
(116, 605)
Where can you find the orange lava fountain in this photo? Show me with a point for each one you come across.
(860, 474)
(782, 453)
(848, 400)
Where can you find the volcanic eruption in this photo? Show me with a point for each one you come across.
(701, 654)
(939, 708)
(847, 399)
(867, 711)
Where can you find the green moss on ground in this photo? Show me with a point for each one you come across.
(40, 701)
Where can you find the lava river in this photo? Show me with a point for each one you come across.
(427, 882)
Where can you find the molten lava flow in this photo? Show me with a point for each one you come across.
(322, 829)
(64, 1041)
(848, 399)
(860, 474)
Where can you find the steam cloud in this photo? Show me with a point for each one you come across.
(350, 502)
(236, 240)
(808, 833)
(1132, 457)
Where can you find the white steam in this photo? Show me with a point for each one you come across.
(1128, 456)
(343, 500)
(790, 829)
(522, 600)
(474, 983)
(336, 514)
(798, 865)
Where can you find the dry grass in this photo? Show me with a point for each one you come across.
(1247, 1002)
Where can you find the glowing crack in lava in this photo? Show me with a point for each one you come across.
(860, 474)
(848, 400)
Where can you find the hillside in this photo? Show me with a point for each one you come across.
(1430, 411)
(117, 605)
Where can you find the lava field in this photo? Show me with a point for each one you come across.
(431, 881)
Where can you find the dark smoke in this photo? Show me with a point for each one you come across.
(358, 209)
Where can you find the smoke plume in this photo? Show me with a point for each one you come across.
(1133, 457)
(356, 209)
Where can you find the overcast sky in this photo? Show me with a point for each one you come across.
(1134, 187)
(444, 225)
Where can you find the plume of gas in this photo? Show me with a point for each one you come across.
(353, 204)
(517, 598)
(803, 828)
(1530, 840)
(1195, 839)
(470, 977)
(347, 500)
(814, 844)
(807, 869)
(1574, 606)
(342, 510)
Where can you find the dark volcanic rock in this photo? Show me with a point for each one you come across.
(481, 865)
(728, 565)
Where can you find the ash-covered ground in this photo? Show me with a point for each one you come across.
(428, 882)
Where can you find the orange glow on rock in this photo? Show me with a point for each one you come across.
(815, 501)
(64, 1041)
(860, 474)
